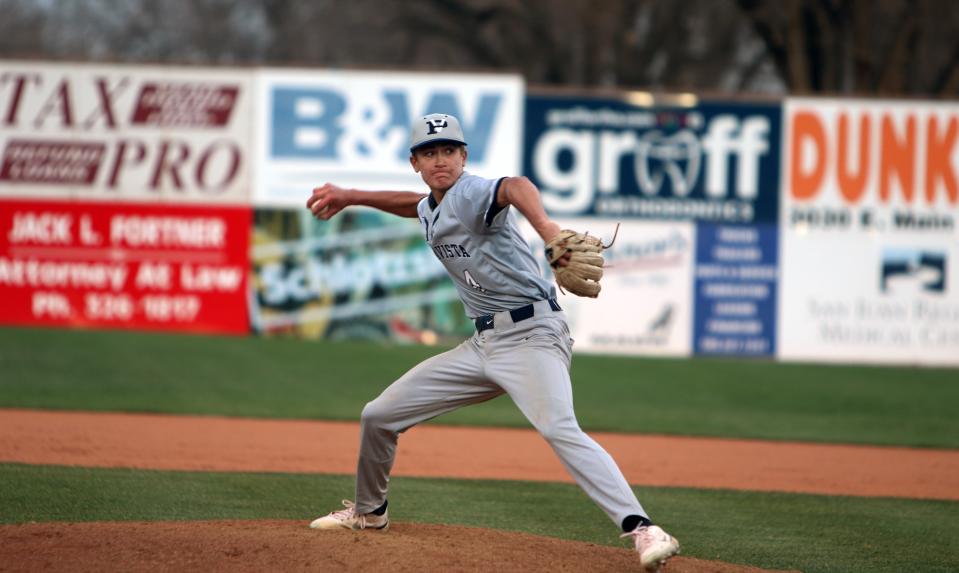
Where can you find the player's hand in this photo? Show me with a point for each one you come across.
(547, 230)
(577, 261)
(327, 201)
(563, 261)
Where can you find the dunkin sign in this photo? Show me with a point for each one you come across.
(869, 239)
(885, 166)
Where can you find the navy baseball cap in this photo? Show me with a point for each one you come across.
(436, 128)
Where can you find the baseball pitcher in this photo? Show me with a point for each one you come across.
(521, 346)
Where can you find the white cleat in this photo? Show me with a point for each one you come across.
(348, 519)
(654, 546)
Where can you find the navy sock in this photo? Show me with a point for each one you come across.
(381, 509)
(633, 521)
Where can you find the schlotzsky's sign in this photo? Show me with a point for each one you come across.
(870, 242)
(120, 265)
(120, 133)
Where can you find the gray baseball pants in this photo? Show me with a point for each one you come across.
(530, 361)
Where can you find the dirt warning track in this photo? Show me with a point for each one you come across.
(202, 443)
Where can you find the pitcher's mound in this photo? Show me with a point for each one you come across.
(241, 546)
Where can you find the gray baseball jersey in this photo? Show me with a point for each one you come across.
(523, 349)
(482, 248)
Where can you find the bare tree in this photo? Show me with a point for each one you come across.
(657, 44)
(891, 47)
(184, 31)
(21, 28)
(772, 46)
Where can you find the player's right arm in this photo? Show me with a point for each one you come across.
(329, 200)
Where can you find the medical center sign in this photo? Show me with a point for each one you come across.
(715, 162)
(870, 232)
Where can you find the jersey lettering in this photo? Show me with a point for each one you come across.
(450, 251)
(472, 282)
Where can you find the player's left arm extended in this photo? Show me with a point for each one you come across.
(522, 194)
(328, 200)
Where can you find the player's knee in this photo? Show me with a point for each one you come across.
(560, 430)
(374, 415)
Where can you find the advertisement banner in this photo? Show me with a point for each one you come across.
(353, 128)
(870, 244)
(736, 283)
(645, 305)
(124, 133)
(362, 275)
(124, 265)
(704, 161)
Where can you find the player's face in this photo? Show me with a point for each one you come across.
(440, 165)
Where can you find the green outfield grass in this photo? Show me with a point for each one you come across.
(282, 378)
(784, 531)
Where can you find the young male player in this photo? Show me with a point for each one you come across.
(521, 346)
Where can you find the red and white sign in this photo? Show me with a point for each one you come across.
(883, 154)
(870, 232)
(122, 133)
(122, 265)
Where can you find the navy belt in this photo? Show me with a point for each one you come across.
(485, 322)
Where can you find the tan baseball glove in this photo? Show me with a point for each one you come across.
(582, 272)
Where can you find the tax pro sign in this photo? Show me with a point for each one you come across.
(119, 265)
(123, 133)
(870, 244)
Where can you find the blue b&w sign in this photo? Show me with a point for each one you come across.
(353, 128)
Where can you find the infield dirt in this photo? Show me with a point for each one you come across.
(199, 443)
(225, 444)
(255, 546)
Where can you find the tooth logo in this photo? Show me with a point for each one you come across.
(678, 156)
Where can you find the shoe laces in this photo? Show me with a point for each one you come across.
(347, 513)
(641, 535)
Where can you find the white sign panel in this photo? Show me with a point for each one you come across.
(119, 133)
(870, 245)
(645, 307)
(352, 128)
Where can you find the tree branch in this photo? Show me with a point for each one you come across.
(895, 63)
(770, 35)
(947, 80)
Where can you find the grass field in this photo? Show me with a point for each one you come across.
(295, 379)
(812, 533)
(138, 372)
